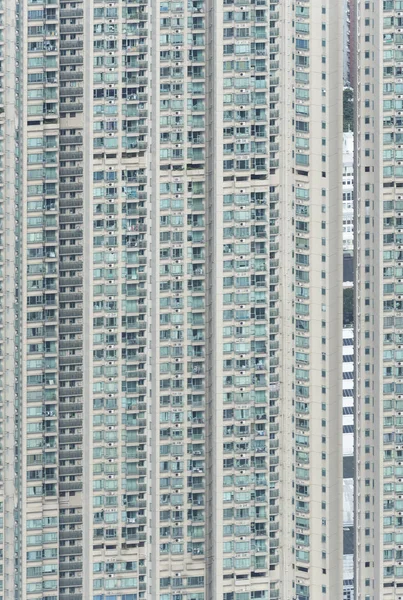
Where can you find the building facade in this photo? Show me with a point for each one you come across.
(379, 322)
(348, 192)
(346, 42)
(171, 300)
(348, 463)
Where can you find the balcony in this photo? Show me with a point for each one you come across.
(71, 139)
(70, 535)
(70, 566)
(71, 107)
(71, 13)
(71, 45)
(70, 454)
(65, 486)
(71, 60)
(71, 76)
(70, 234)
(75, 186)
(70, 438)
(76, 218)
(77, 28)
(70, 406)
(70, 203)
(66, 551)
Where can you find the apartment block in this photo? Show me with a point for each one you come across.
(171, 263)
(379, 322)
(348, 192)
(348, 463)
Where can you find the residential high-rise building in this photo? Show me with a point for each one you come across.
(347, 34)
(171, 299)
(348, 463)
(348, 192)
(379, 290)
